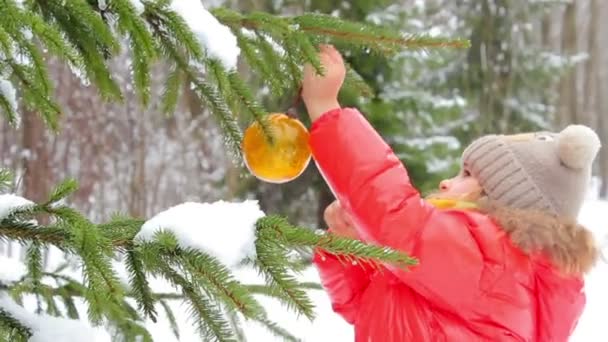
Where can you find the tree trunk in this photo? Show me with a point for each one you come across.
(37, 173)
(490, 63)
(602, 131)
(602, 109)
(138, 191)
(567, 112)
(592, 71)
(545, 28)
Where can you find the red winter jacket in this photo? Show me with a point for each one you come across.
(471, 283)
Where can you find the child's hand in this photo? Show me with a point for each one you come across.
(338, 221)
(320, 93)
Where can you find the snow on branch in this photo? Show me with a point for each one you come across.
(11, 270)
(225, 230)
(8, 100)
(10, 203)
(139, 7)
(217, 39)
(44, 328)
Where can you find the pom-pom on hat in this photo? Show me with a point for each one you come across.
(543, 171)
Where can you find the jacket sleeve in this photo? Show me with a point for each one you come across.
(374, 187)
(368, 179)
(343, 281)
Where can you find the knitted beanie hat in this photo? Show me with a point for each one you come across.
(544, 171)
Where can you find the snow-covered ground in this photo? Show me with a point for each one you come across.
(592, 326)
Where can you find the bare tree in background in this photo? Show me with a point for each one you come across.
(600, 10)
(567, 107)
(37, 173)
(590, 90)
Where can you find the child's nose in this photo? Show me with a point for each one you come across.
(444, 185)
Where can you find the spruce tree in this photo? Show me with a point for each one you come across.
(86, 34)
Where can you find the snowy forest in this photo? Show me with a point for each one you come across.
(526, 66)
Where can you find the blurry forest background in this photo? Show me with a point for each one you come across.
(532, 65)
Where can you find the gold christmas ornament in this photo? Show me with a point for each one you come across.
(283, 159)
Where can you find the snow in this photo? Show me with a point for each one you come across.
(139, 6)
(10, 203)
(557, 61)
(48, 328)
(423, 143)
(217, 38)
(275, 46)
(12, 270)
(457, 101)
(327, 326)
(591, 327)
(9, 93)
(225, 230)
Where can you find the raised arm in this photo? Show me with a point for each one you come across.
(373, 186)
(368, 179)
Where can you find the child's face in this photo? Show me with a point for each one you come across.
(462, 187)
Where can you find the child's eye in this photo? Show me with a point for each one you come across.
(466, 173)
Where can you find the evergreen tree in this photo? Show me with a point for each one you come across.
(405, 96)
(86, 34)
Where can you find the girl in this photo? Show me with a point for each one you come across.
(501, 257)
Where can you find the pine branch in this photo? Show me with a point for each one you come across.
(34, 97)
(6, 178)
(220, 283)
(51, 307)
(8, 110)
(61, 191)
(35, 269)
(235, 324)
(142, 45)
(321, 25)
(278, 229)
(247, 98)
(138, 281)
(87, 38)
(270, 292)
(208, 93)
(171, 91)
(262, 56)
(24, 232)
(50, 35)
(270, 262)
(368, 35)
(90, 36)
(103, 286)
(354, 82)
(206, 285)
(7, 321)
(211, 325)
(171, 318)
(278, 331)
(68, 302)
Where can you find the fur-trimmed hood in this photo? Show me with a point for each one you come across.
(568, 245)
